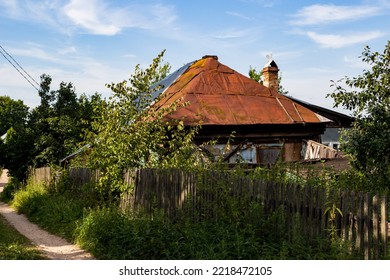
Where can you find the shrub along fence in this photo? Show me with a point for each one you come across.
(358, 218)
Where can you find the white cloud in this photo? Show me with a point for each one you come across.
(339, 41)
(10, 6)
(93, 16)
(97, 17)
(33, 51)
(67, 50)
(264, 3)
(355, 62)
(326, 13)
(238, 15)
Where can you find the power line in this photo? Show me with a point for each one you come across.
(20, 66)
(4, 53)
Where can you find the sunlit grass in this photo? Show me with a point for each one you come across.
(14, 246)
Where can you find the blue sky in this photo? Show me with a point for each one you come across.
(94, 42)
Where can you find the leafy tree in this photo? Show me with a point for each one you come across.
(281, 88)
(59, 121)
(256, 75)
(368, 96)
(13, 113)
(132, 133)
(17, 152)
(13, 118)
(49, 132)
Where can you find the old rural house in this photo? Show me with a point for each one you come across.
(266, 125)
(260, 125)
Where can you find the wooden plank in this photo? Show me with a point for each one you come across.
(310, 214)
(304, 220)
(384, 230)
(352, 212)
(367, 226)
(315, 216)
(375, 227)
(359, 223)
(344, 218)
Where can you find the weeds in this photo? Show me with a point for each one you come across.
(228, 228)
(14, 246)
(55, 210)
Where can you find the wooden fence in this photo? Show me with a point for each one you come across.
(362, 220)
(41, 175)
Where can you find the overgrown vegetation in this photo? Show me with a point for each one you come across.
(127, 133)
(368, 96)
(44, 135)
(110, 234)
(55, 209)
(232, 229)
(130, 133)
(14, 246)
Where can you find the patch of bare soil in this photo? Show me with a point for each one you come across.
(54, 247)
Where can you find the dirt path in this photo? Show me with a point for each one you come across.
(54, 247)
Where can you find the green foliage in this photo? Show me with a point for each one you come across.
(56, 209)
(108, 233)
(255, 75)
(281, 88)
(14, 246)
(228, 229)
(9, 190)
(13, 113)
(368, 96)
(49, 132)
(13, 118)
(59, 122)
(132, 133)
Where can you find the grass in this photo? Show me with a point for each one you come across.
(242, 231)
(14, 246)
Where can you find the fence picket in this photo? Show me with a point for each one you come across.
(375, 227)
(363, 223)
(367, 226)
(384, 227)
(359, 224)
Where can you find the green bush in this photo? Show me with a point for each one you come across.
(228, 228)
(9, 190)
(14, 246)
(54, 210)
(110, 234)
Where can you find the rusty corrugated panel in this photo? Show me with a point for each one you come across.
(218, 95)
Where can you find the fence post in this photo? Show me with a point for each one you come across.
(359, 224)
(352, 222)
(367, 226)
(345, 212)
(375, 227)
(384, 230)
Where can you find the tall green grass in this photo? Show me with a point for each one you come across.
(232, 229)
(110, 234)
(14, 246)
(57, 210)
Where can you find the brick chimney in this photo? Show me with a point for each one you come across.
(270, 75)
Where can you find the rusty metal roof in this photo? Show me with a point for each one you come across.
(218, 95)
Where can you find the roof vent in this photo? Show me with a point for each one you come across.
(210, 56)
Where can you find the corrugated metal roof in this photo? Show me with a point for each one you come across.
(218, 95)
